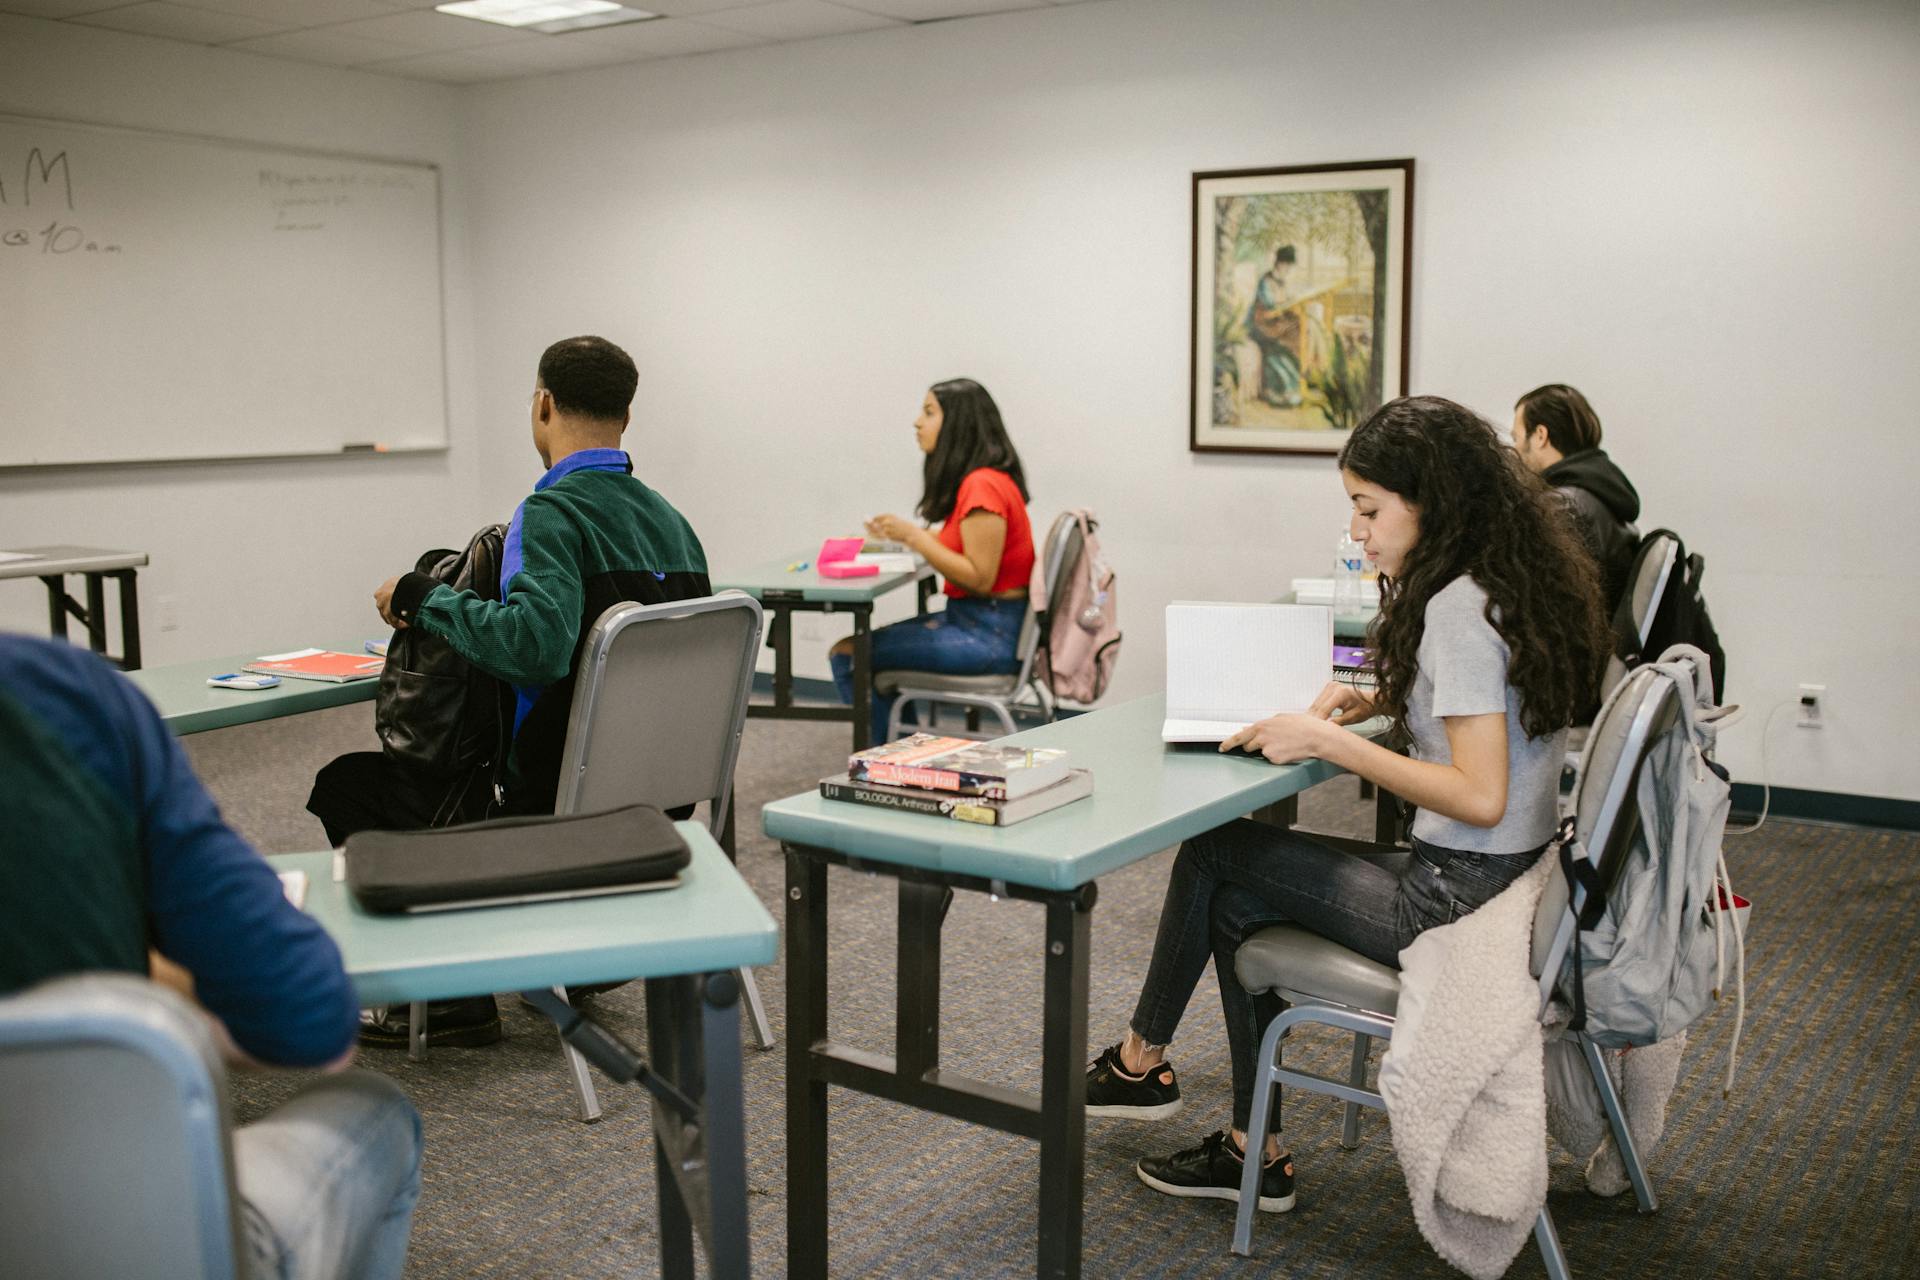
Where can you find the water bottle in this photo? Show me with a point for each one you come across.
(1349, 567)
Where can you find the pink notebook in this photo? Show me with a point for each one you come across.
(836, 559)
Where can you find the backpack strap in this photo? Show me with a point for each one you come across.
(1580, 875)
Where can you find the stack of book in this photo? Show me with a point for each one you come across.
(958, 778)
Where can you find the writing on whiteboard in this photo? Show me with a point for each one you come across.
(54, 238)
(301, 201)
(48, 176)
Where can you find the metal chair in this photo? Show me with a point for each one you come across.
(116, 1159)
(998, 694)
(659, 705)
(1328, 985)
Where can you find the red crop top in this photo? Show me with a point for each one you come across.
(985, 489)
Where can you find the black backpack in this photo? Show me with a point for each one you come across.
(1680, 618)
(437, 714)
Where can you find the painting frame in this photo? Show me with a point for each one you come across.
(1288, 358)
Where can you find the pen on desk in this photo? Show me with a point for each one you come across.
(798, 565)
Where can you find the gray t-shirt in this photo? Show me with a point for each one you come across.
(1463, 672)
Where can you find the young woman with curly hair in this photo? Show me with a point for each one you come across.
(1490, 641)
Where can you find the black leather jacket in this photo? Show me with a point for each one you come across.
(1605, 505)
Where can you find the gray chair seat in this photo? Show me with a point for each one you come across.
(1297, 962)
(989, 686)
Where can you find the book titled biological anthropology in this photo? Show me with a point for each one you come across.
(1077, 785)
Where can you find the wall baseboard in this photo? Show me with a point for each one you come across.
(1826, 806)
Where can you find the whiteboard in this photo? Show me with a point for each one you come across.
(167, 297)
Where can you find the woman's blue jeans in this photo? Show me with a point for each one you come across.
(974, 637)
(1238, 879)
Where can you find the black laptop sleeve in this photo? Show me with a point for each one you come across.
(509, 857)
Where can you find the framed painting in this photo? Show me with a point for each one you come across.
(1300, 284)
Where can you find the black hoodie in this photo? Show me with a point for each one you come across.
(1605, 504)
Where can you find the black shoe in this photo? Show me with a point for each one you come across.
(1212, 1170)
(460, 1024)
(1112, 1091)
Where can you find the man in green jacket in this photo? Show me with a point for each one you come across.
(590, 536)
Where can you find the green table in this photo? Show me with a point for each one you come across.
(52, 565)
(685, 942)
(188, 704)
(1147, 797)
(784, 590)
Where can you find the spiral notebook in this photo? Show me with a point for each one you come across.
(1229, 665)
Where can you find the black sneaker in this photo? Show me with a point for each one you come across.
(1112, 1091)
(460, 1024)
(1212, 1170)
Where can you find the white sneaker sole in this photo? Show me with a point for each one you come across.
(1268, 1204)
(1160, 1112)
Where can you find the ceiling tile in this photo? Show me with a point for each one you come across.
(667, 38)
(428, 32)
(324, 45)
(57, 8)
(296, 13)
(935, 10)
(796, 20)
(459, 66)
(502, 62)
(688, 8)
(177, 22)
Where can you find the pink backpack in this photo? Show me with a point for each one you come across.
(1080, 643)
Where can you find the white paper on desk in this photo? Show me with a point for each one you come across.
(288, 656)
(295, 885)
(9, 556)
(890, 561)
(1229, 665)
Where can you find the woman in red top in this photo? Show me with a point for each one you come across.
(973, 483)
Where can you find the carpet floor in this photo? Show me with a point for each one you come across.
(1809, 1168)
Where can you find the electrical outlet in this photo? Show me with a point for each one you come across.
(1811, 696)
(169, 610)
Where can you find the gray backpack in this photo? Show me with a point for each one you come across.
(1656, 949)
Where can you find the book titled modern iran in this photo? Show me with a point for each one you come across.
(959, 765)
(1077, 785)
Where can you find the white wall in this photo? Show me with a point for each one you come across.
(1699, 213)
(247, 555)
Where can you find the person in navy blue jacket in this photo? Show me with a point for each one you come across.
(114, 857)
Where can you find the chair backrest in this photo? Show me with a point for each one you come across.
(114, 1151)
(1605, 815)
(1652, 572)
(659, 706)
(1062, 545)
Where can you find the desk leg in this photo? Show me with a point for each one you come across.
(916, 1023)
(1386, 817)
(56, 605)
(806, 950)
(693, 1036)
(782, 656)
(862, 677)
(96, 612)
(924, 589)
(1063, 1088)
(129, 621)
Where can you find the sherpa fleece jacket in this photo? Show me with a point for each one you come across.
(1463, 1080)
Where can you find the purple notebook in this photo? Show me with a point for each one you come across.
(1346, 655)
